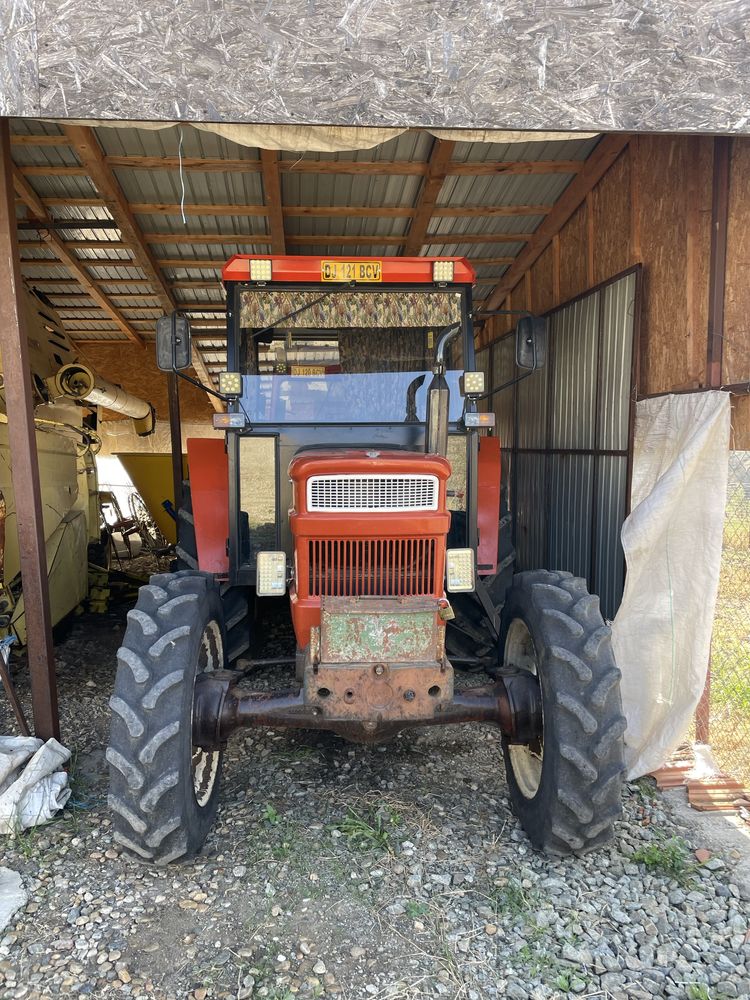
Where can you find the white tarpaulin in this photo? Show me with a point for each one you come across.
(333, 138)
(33, 786)
(672, 541)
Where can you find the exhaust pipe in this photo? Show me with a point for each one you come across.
(439, 399)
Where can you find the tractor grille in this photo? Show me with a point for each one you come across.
(372, 493)
(373, 567)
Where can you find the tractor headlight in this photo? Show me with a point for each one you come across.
(442, 270)
(270, 574)
(459, 570)
(261, 270)
(230, 383)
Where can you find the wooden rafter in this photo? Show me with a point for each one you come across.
(79, 244)
(52, 170)
(594, 168)
(76, 266)
(39, 140)
(205, 239)
(89, 152)
(276, 213)
(402, 168)
(437, 168)
(269, 159)
(92, 201)
(73, 282)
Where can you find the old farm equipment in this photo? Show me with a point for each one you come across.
(358, 476)
(66, 393)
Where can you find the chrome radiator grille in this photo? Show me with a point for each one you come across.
(372, 493)
(373, 567)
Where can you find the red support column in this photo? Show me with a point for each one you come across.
(24, 461)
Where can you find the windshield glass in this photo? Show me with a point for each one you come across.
(344, 356)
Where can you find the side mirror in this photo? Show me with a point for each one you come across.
(173, 342)
(531, 342)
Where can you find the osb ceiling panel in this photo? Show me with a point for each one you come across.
(648, 65)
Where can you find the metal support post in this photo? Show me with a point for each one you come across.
(175, 432)
(24, 460)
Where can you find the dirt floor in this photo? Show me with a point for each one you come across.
(394, 872)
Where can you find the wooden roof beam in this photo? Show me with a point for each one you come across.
(437, 169)
(406, 168)
(601, 159)
(79, 244)
(86, 145)
(276, 213)
(269, 159)
(89, 152)
(72, 263)
(39, 140)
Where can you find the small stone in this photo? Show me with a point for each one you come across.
(319, 968)
(187, 904)
(714, 864)
(571, 954)
(276, 911)
(239, 870)
(124, 975)
(490, 929)
(727, 989)
(702, 855)
(356, 952)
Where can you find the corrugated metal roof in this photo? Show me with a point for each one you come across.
(116, 271)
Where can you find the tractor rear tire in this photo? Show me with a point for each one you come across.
(163, 790)
(566, 787)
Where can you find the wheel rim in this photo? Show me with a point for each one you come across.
(205, 763)
(526, 759)
(148, 529)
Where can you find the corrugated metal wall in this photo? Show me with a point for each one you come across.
(565, 432)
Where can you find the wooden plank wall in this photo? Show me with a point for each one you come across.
(135, 370)
(653, 207)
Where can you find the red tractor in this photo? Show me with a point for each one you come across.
(358, 475)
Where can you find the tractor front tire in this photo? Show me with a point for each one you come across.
(163, 790)
(565, 787)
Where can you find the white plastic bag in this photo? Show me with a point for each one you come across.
(32, 785)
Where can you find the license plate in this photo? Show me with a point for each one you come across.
(351, 270)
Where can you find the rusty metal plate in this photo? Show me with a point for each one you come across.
(381, 629)
(380, 692)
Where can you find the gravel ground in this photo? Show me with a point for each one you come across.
(394, 872)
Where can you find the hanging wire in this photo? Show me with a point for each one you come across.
(182, 179)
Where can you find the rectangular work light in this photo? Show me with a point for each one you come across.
(472, 383)
(459, 570)
(270, 574)
(261, 270)
(230, 383)
(442, 270)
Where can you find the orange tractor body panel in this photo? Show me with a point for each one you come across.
(345, 553)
